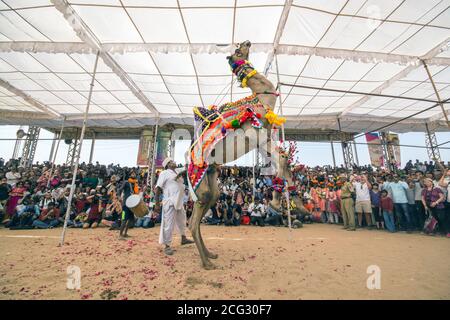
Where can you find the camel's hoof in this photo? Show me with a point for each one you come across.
(212, 255)
(209, 266)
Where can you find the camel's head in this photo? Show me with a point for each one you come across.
(241, 53)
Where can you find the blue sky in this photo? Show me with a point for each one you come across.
(124, 152)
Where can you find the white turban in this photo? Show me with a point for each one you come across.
(166, 161)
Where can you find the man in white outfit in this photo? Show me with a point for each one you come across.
(170, 184)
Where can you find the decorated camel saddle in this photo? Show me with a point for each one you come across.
(215, 122)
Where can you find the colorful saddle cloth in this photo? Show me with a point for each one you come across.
(213, 125)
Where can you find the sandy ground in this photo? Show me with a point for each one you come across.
(315, 262)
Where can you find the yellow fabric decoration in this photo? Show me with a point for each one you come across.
(244, 81)
(274, 119)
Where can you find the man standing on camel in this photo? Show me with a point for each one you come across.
(171, 185)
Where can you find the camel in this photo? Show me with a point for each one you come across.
(202, 176)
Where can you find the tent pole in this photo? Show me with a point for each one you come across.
(52, 150)
(436, 92)
(288, 204)
(332, 152)
(91, 154)
(155, 150)
(56, 151)
(254, 178)
(77, 160)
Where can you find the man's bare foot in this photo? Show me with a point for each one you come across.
(121, 237)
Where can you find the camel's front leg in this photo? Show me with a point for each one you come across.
(197, 214)
(209, 254)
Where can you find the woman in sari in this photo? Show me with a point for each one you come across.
(14, 196)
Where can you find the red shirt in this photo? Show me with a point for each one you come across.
(386, 204)
(80, 205)
(55, 214)
(95, 213)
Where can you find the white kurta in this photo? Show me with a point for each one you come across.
(172, 206)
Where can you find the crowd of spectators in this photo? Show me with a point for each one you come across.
(362, 197)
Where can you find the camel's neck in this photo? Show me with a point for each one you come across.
(260, 84)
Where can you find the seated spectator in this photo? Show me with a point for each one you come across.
(15, 195)
(48, 218)
(94, 212)
(215, 216)
(274, 217)
(26, 214)
(257, 214)
(231, 215)
(46, 200)
(113, 213)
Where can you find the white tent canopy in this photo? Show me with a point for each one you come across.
(159, 58)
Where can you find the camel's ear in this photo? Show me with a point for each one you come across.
(229, 57)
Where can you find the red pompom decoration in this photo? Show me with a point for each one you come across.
(258, 115)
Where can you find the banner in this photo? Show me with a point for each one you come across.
(393, 139)
(144, 142)
(163, 147)
(375, 149)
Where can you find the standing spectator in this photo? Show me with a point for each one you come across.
(410, 195)
(420, 210)
(433, 200)
(348, 213)
(333, 216)
(362, 188)
(387, 207)
(377, 214)
(398, 190)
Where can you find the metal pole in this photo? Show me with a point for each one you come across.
(288, 204)
(332, 152)
(155, 150)
(436, 92)
(149, 153)
(91, 154)
(254, 178)
(342, 144)
(55, 136)
(75, 169)
(56, 151)
(356, 152)
(357, 92)
(430, 141)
